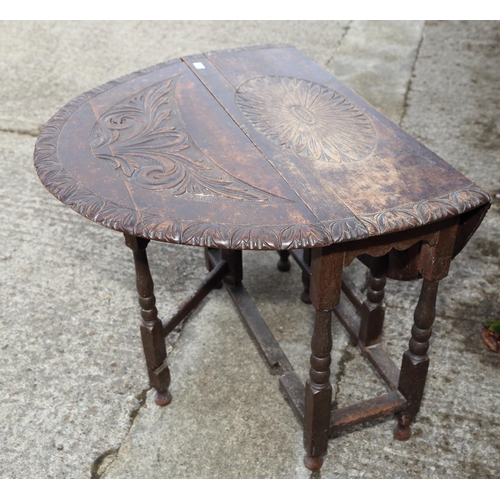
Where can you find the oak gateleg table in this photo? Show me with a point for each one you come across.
(261, 149)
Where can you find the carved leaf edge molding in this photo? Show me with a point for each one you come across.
(422, 213)
(109, 214)
(152, 227)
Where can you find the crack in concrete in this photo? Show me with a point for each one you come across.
(102, 463)
(32, 133)
(175, 335)
(95, 473)
(346, 357)
(412, 74)
(346, 29)
(141, 398)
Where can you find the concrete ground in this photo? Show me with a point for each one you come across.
(75, 399)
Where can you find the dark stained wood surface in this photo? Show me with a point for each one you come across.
(251, 148)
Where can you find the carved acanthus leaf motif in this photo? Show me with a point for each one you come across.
(347, 229)
(142, 139)
(310, 119)
(303, 236)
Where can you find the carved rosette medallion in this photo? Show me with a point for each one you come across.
(142, 139)
(310, 119)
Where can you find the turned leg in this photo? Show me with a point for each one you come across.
(415, 360)
(284, 262)
(318, 399)
(373, 310)
(434, 263)
(327, 264)
(151, 327)
(306, 277)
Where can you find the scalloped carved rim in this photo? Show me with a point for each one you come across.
(109, 214)
(419, 214)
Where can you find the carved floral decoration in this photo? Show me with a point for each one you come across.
(310, 119)
(142, 139)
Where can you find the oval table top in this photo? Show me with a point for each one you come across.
(254, 148)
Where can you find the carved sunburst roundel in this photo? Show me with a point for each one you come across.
(311, 119)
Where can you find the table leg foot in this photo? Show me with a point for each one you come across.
(402, 432)
(163, 398)
(305, 297)
(284, 264)
(313, 463)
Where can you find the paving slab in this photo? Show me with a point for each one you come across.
(76, 400)
(72, 368)
(376, 59)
